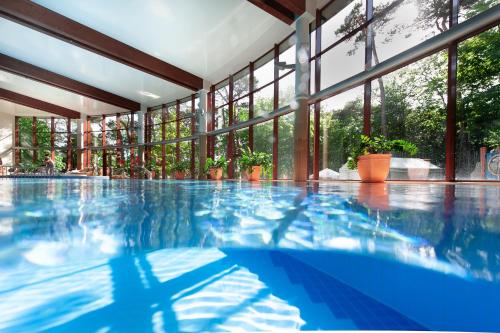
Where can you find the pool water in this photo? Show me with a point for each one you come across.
(188, 256)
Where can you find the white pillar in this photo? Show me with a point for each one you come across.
(202, 131)
(302, 73)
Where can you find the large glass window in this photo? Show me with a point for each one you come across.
(478, 107)
(410, 104)
(341, 122)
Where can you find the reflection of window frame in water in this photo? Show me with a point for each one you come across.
(494, 165)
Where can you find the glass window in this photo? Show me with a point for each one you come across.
(343, 61)
(478, 107)
(263, 101)
(263, 141)
(285, 146)
(341, 122)
(346, 20)
(399, 25)
(470, 8)
(241, 110)
(410, 104)
(264, 74)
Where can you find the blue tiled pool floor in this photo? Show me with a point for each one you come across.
(187, 290)
(345, 307)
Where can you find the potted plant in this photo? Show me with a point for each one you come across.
(215, 168)
(179, 169)
(254, 162)
(371, 156)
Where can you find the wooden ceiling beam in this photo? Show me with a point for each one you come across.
(49, 22)
(284, 10)
(33, 72)
(38, 104)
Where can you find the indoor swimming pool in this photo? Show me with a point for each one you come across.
(188, 256)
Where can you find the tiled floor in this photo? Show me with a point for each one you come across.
(342, 300)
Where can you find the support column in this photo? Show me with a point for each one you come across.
(69, 148)
(276, 97)
(451, 124)
(163, 138)
(177, 131)
(193, 142)
(17, 142)
(301, 125)
(52, 138)
(120, 160)
(202, 131)
(367, 96)
(250, 103)
(230, 136)
(34, 140)
(133, 140)
(317, 105)
(104, 152)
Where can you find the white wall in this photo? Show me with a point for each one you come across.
(6, 138)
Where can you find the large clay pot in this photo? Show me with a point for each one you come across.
(374, 168)
(254, 176)
(179, 175)
(215, 173)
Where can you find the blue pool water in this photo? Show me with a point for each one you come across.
(188, 256)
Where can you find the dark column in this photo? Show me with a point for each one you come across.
(317, 88)
(177, 130)
(451, 125)
(34, 140)
(163, 138)
(104, 153)
(17, 142)
(133, 139)
(193, 131)
(367, 105)
(250, 103)
(52, 138)
(276, 100)
(69, 148)
(230, 136)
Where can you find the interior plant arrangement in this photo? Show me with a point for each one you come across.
(216, 167)
(372, 156)
(179, 169)
(254, 162)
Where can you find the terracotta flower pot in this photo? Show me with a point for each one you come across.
(179, 175)
(254, 176)
(216, 173)
(374, 168)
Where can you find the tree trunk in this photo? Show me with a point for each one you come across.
(383, 120)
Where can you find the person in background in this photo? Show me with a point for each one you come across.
(49, 165)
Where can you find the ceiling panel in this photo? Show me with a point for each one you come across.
(207, 38)
(54, 95)
(14, 109)
(79, 64)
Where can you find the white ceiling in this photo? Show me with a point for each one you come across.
(210, 39)
(48, 93)
(14, 109)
